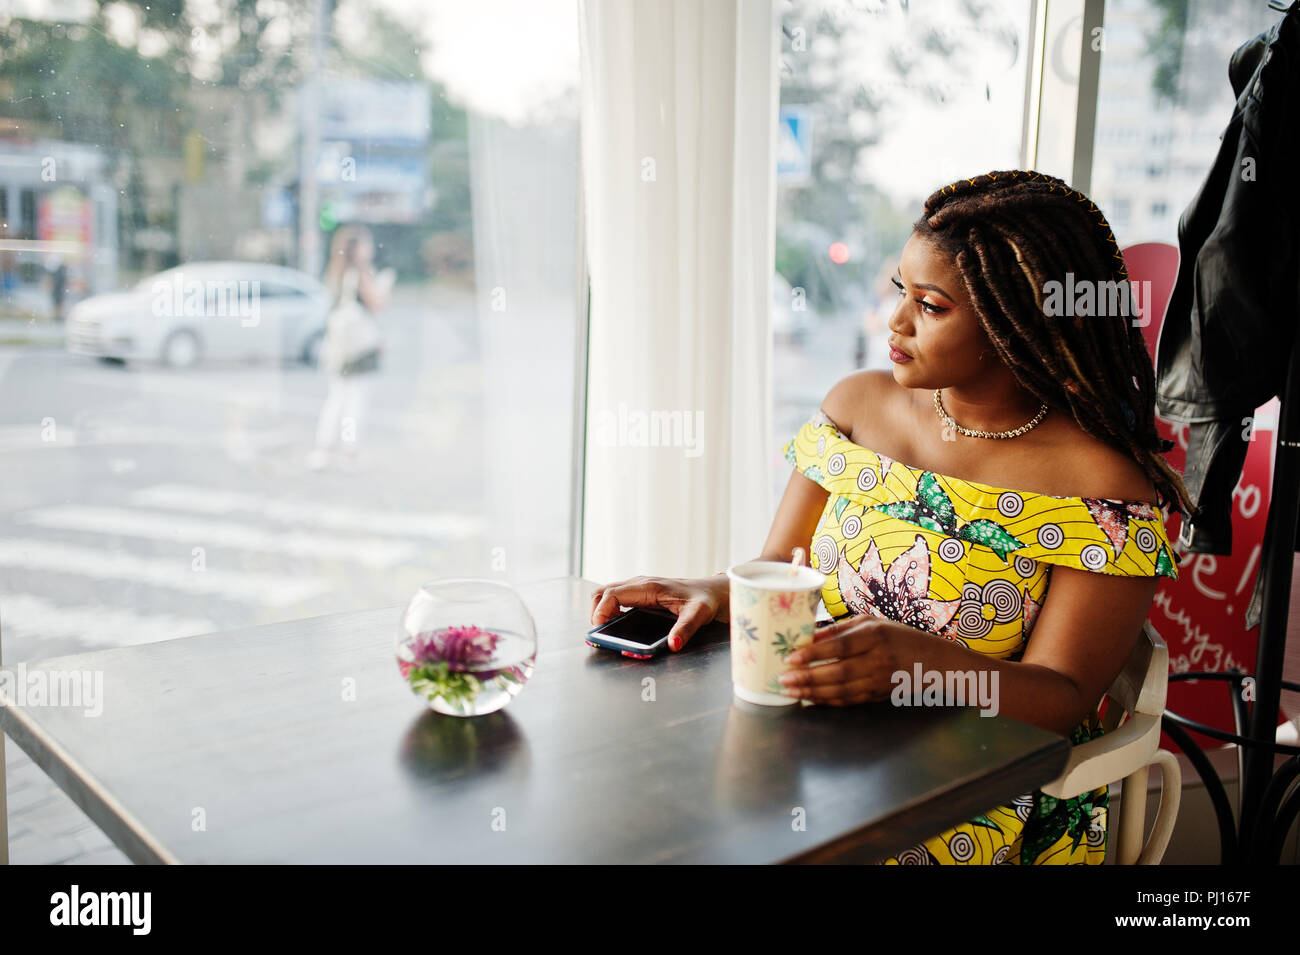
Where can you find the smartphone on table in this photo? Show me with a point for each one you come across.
(641, 633)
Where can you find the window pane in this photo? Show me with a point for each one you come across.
(161, 474)
(881, 105)
(1163, 102)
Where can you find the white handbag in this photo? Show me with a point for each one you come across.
(350, 332)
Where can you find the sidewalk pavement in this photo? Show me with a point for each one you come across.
(21, 331)
(45, 826)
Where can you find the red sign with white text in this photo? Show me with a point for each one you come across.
(1201, 616)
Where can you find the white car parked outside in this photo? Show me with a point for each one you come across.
(205, 311)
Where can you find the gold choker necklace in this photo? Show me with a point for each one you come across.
(1014, 433)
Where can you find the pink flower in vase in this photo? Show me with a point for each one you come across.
(461, 648)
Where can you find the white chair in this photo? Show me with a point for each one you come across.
(1127, 751)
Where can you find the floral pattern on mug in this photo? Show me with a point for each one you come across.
(788, 642)
(747, 629)
(785, 604)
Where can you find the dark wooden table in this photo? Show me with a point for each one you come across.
(244, 746)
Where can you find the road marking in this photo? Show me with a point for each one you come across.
(437, 526)
(29, 437)
(25, 437)
(276, 590)
(27, 616)
(199, 532)
(241, 388)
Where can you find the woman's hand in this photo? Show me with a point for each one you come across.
(695, 601)
(867, 651)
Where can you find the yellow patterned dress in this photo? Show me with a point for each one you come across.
(972, 563)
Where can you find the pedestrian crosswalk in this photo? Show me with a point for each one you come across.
(26, 618)
(176, 573)
(452, 525)
(55, 435)
(188, 531)
(174, 559)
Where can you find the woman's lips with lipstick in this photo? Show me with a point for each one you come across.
(897, 355)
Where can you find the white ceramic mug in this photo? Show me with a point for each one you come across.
(773, 605)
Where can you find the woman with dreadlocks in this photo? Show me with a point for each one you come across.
(1012, 446)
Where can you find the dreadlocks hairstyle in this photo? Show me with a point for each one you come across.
(1012, 232)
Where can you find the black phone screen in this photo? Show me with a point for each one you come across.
(640, 626)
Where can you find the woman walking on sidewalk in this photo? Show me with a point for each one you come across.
(353, 343)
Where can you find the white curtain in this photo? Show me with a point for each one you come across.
(678, 147)
(525, 205)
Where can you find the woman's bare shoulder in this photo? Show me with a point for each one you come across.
(1097, 469)
(870, 389)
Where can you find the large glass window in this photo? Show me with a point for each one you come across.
(1162, 103)
(881, 104)
(174, 177)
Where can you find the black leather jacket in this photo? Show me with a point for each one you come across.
(1225, 346)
